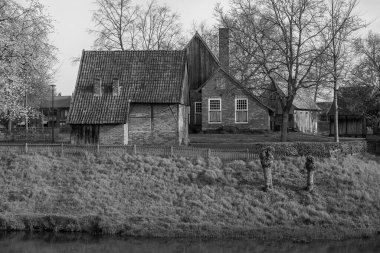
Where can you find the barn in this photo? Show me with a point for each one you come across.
(131, 97)
(303, 115)
(351, 113)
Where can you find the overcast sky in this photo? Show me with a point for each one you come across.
(72, 19)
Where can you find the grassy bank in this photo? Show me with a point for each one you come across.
(152, 196)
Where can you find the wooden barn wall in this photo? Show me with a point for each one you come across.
(349, 126)
(201, 63)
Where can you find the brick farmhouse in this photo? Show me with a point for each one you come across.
(217, 99)
(130, 97)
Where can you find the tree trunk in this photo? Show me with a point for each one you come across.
(284, 126)
(336, 127)
(268, 177)
(9, 126)
(310, 181)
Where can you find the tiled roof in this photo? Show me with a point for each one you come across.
(144, 77)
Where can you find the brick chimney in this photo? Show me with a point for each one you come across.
(224, 48)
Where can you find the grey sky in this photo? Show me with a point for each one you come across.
(73, 19)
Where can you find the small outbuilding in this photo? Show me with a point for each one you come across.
(351, 113)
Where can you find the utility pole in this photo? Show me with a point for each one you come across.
(52, 113)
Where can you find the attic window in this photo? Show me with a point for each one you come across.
(98, 87)
(115, 87)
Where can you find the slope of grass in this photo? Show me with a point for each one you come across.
(153, 196)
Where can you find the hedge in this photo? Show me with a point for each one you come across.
(318, 149)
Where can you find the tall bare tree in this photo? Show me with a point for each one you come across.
(284, 39)
(121, 25)
(366, 73)
(341, 26)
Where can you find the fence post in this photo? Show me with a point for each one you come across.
(61, 149)
(98, 148)
(171, 151)
(26, 148)
(134, 149)
(247, 154)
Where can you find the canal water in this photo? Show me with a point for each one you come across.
(56, 243)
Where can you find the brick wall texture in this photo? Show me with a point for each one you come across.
(156, 124)
(220, 86)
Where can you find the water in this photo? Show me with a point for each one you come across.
(79, 243)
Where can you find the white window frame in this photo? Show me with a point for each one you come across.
(220, 110)
(195, 110)
(236, 110)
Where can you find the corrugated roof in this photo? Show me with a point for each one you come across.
(144, 77)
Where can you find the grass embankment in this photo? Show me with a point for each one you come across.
(152, 196)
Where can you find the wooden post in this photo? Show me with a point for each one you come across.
(134, 149)
(247, 154)
(26, 148)
(61, 149)
(208, 153)
(98, 148)
(171, 151)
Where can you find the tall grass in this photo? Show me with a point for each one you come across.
(154, 196)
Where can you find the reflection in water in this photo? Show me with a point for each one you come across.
(83, 243)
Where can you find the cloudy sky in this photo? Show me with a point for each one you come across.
(72, 19)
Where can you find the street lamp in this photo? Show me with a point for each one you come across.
(52, 112)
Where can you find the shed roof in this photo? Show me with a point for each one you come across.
(302, 100)
(144, 77)
(350, 100)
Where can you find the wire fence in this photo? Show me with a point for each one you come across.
(180, 151)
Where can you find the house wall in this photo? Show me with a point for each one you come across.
(220, 86)
(113, 134)
(157, 124)
(306, 121)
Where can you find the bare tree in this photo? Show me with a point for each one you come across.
(342, 24)
(284, 38)
(366, 73)
(114, 24)
(120, 25)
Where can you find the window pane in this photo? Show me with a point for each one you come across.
(214, 105)
(241, 116)
(241, 104)
(198, 107)
(215, 116)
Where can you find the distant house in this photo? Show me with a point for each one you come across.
(131, 97)
(58, 117)
(217, 99)
(351, 114)
(303, 115)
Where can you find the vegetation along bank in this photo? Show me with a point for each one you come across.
(169, 197)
